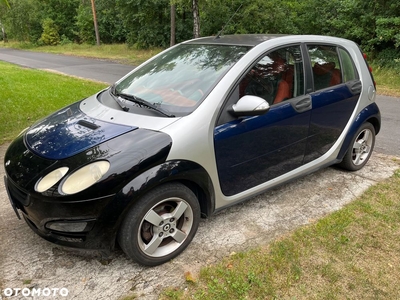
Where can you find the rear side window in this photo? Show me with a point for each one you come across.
(348, 69)
(325, 66)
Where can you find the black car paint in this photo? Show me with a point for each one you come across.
(138, 163)
(70, 131)
(129, 156)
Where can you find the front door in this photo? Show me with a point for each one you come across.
(252, 150)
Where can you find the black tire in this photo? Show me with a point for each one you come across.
(160, 225)
(360, 148)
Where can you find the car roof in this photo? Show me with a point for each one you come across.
(252, 40)
(236, 39)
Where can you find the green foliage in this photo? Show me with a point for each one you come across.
(388, 30)
(258, 16)
(84, 24)
(65, 40)
(62, 12)
(50, 34)
(111, 25)
(148, 24)
(6, 3)
(389, 57)
(374, 24)
(22, 21)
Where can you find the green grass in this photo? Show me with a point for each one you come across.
(353, 253)
(27, 95)
(387, 80)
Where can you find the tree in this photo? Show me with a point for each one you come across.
(96, 29)
(173, 24)
(3, 31)
(196, 19)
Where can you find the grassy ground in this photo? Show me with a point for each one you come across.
(28, 95)
(353, 253)
(388, 81)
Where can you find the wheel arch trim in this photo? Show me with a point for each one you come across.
(188, 173)
(369, 114)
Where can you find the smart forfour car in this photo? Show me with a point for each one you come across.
(201, 126)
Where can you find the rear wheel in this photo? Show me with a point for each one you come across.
(360, 149)
(160, 225)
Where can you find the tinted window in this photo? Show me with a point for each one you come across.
(348, 69)
(325, 66)
(179, 79)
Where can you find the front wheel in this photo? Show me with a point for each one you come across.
(160, 225)
(360, 149)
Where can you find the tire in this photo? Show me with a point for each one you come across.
(160, 225)
(360, 148)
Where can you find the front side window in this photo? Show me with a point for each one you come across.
(325, 66)
(276, 77)
(178, 80)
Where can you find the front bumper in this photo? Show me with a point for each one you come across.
(92, 229)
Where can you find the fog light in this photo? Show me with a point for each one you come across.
(68, 226)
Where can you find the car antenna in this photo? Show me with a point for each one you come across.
(223, 28)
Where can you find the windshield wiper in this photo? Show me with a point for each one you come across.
(141, 102)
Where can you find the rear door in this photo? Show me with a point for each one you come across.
(336, 88)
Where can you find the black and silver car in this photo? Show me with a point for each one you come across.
(199, 127)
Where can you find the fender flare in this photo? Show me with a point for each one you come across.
(186, 172)
(370, 114)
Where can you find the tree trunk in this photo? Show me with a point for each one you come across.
(3, 31)
(173, 25)
(96, 29)
(196, 19)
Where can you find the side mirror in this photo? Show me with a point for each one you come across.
(250, 106)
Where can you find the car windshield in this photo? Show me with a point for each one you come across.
(178, 80)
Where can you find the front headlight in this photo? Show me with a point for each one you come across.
(84, 177)
(50, 179)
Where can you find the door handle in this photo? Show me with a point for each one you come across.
(303, 104)
(355, 87)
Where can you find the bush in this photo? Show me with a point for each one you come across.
(65, 40)
(388, 57)
(50, 34)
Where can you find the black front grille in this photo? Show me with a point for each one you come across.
(17, 194)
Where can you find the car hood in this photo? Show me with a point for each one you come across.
(69, 132)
